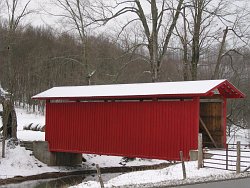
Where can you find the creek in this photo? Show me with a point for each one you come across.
(62, 182)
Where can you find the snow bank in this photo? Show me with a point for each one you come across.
(114, 161)
(170, 173)
(19, 161)
(156, 176)
(28, 135)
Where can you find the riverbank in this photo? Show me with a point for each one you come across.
(51, 175)
(189, 182)
(169, 176)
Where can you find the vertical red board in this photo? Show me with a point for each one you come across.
(155, 129)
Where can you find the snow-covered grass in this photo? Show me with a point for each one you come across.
(113, 161)
(169, 174)
(19, 161)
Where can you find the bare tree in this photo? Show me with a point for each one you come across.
(185, 44)
(227, 52)
(200, 29)
(76, 14)
(219, 58)
(17, 10)
(157, 25)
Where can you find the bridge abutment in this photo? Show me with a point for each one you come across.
(42, 153)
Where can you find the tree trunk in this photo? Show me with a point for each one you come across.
(219, 58)
(198, 9)
(9, 119)
(185, 48)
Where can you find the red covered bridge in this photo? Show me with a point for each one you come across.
(148, 120)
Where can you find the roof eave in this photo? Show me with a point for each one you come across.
(160, 96)
(237, 93)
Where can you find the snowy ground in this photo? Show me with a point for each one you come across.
(170, 174)
(19, 161)
(23, 119)
(238, 134)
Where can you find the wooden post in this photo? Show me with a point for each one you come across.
(99, 175)
(183, 166)
(227, 157)
(238, 158)
(200, 152)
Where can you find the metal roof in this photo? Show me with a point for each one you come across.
(144, 90)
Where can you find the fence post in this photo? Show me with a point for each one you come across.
(183, 166)
(238, 158)
(200, 152)
(99, 175)
(227, 157)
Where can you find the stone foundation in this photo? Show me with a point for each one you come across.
(42, 153)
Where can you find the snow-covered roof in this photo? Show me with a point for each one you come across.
(162, 89)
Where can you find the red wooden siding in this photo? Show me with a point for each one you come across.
(134, 129)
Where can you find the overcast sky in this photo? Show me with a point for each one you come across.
(44, 7)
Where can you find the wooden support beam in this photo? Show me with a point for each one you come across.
(209, 134)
